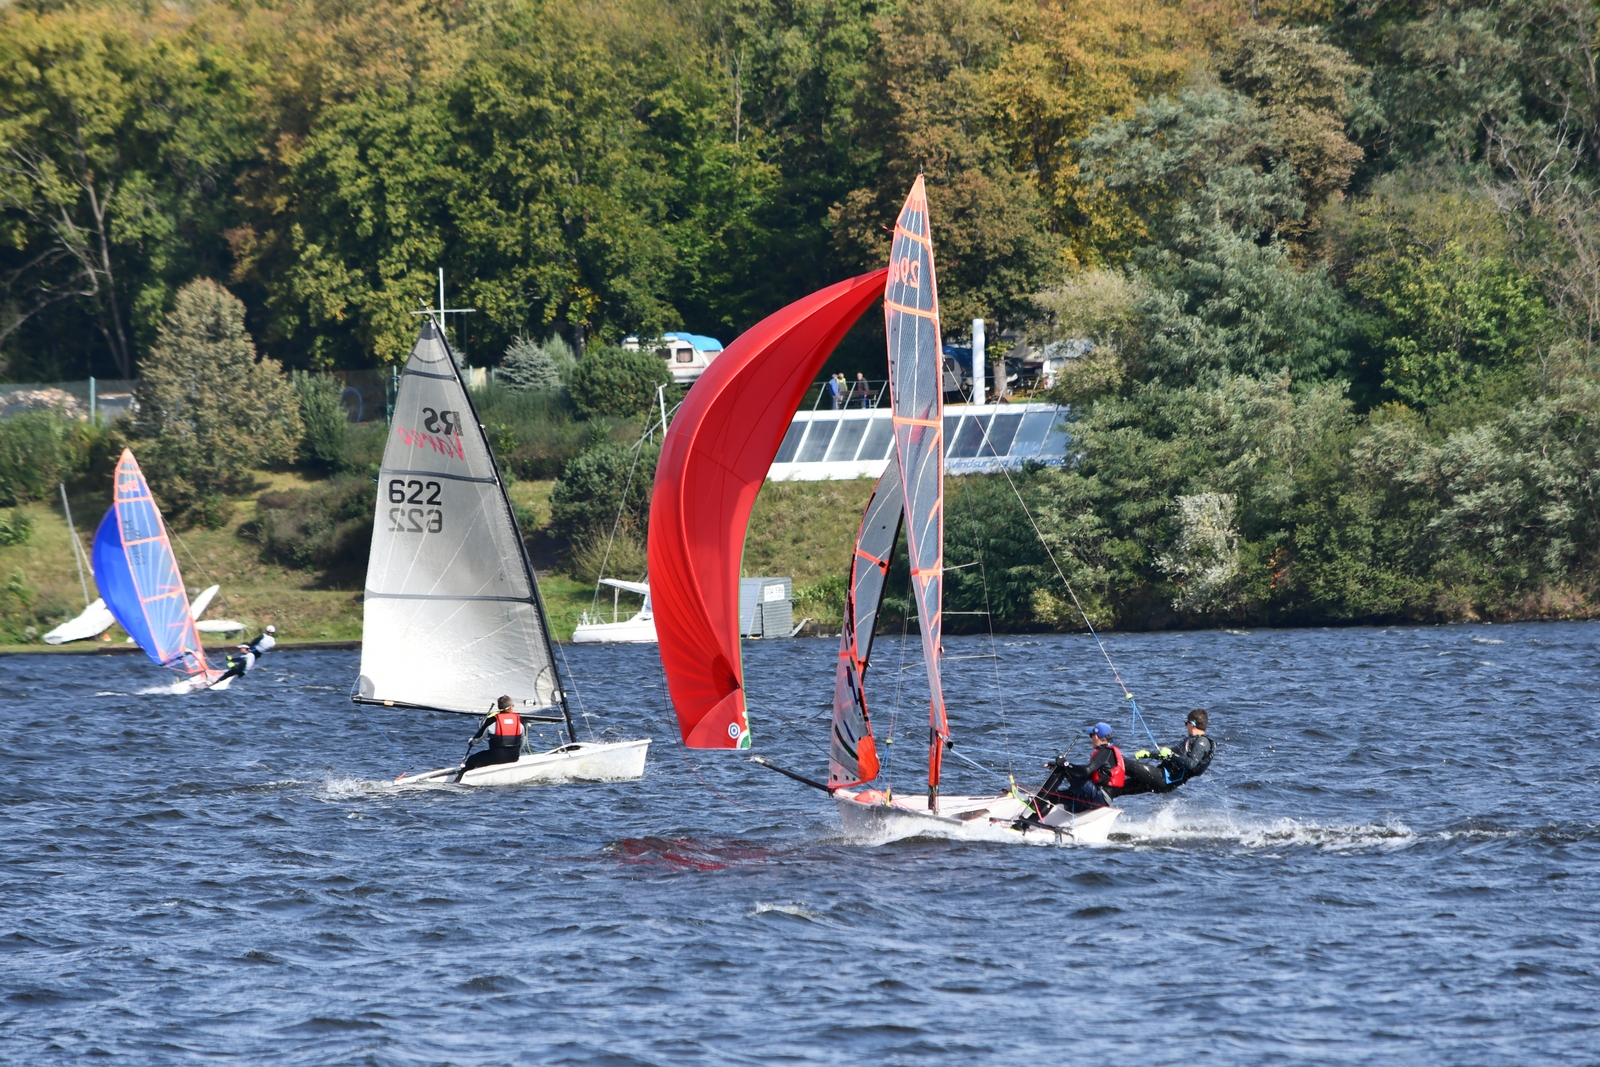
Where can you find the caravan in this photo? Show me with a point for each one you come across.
(687, 354)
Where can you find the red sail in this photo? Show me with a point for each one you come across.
(713, 461)
(916, 382)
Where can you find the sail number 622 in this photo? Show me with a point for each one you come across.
(427, 517)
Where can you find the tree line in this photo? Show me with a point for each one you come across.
(1339, 264)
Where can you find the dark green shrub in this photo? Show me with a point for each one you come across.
(363, 448)
(615, 381)
(532, 430)
(325, 527)
(327, 427)
(601, 482)
(16, 526)
(37, 450)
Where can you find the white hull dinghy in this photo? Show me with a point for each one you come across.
(582, 761)
(873, 816)
(712, 463)
(452, 618)
(641, 629)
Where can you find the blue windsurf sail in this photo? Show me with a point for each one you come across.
(138, 575)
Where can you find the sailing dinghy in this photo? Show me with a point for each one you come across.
(140, 583)
(452, 616)
(713, 462)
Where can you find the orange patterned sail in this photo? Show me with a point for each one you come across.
(911, 315)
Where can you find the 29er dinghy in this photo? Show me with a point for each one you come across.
(713, 461)
(452, 616)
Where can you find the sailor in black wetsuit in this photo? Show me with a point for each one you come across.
(1165, 769)
(505, 730)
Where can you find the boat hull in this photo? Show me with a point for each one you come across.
(870, 816)
(630, 631)
(583, 761)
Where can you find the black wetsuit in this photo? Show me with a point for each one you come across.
(249, 656)
(1190, 758)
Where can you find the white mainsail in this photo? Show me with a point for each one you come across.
(452, 616)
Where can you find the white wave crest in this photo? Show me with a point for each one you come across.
(1175, 824)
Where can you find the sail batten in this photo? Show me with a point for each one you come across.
(916, 386)
(451, 614)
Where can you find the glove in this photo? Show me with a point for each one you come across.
(1166, 753)
(1142, 754)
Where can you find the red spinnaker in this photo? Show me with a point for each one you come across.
(713, 461)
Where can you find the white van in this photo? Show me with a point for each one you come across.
(688, 354)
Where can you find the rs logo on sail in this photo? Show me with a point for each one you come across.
(443, 436)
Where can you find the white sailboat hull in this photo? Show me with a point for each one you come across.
(869, 816)
(637, 630)
(583, 761)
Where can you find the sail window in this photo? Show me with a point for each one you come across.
(847, 440)
(967, 439)
(816, 444)
(791, 442)
(880, 439)
(1002, 431)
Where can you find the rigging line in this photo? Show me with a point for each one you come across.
(587, 725)
(958, 754)
(1059, 572)
(594, 602)
(661, 674)
(203, 570)
(1000, 694)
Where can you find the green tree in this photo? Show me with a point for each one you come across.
(527, 365)
(322, 414)
(117, 130)
(209, 410)
(605, 486)
(617, 381)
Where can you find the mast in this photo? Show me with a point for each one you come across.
(911, 318)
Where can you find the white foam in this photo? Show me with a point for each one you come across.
(1174, 823)
(799, 911)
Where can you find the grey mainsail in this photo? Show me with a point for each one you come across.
(452, 616)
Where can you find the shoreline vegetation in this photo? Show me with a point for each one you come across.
(1328, 277)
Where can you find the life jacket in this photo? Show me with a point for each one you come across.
(507, 725)
(1119, 771)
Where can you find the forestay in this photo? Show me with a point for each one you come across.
(911, 317)
(852, 752)
(138, 574)
(452, 616)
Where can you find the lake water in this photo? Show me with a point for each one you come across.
(1395, 857)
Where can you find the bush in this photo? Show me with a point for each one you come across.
(16, 526)
(209, 411)
(533, 430)
(527, 365)
(363, 448)
(600, 555)
(325, 527)
(37, 450)
(615, 381)
(322, 414)
(596, 486)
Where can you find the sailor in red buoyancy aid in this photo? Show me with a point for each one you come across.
(1093, 785)
(506, 734)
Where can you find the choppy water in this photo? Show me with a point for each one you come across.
(1393, 859)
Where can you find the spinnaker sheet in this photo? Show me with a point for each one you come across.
(714, 458)
(451, 614)
(138, 575)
